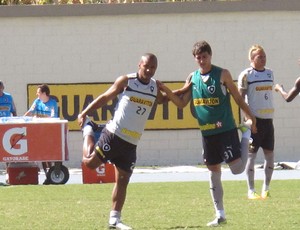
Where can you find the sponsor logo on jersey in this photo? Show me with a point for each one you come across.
(141, 101)
(217, 125)
(263, 88)
(206, 101)
(265, 111)
(131, 133)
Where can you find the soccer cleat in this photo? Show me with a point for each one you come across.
(265, 194)
(89, 122)
(253, 196)
(216, 222)
(117, 224)
(245, 129)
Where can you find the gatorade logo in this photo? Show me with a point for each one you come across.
(101, 169)
(14, 141)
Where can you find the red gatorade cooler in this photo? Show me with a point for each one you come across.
(23, 173)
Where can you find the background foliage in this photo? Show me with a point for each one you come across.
(44, 2)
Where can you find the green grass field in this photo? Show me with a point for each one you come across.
(176, 205)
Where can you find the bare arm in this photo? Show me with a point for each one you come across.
(185, 88)
(14, 113)
(289, 96)
(104, 98)
(28, 113)
(178, 92)
(228, 82)
(179, 97)
(242, 92)
(161, 97)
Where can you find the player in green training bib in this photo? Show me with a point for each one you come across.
(210, 88)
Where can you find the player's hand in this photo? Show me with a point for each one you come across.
(253, 125)
(185, 88)
(278, 87)
(161, 85)
(81, 119)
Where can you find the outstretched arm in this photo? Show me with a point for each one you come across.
(163, 97)
(289, 96)
(179, 97)
(28, 113)
(228, 82)
(104, 98)
(31, 110)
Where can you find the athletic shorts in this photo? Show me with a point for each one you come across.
(221, 147)
(264, 137)
(110, 147)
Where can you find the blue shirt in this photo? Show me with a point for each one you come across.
(41, 109)
(7, 106)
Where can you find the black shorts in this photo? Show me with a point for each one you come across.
(264, 137)
(221, 147)
(110, 147)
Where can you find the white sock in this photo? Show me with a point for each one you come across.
(247, 134)
(216, 189)
(251, 191)
(265, 187)
(114, 213)
(114, 216)
(220, 213)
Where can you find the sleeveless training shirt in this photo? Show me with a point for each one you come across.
(258, 86)
(211, 102)
(133, 109)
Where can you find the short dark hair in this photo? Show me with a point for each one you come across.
(44, 89)
(150, 56)
(201, 47)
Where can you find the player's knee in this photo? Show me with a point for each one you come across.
(252, 156)
(123, 180)
(237, 171)
(269, 155)
(237, 167)
(91, 163)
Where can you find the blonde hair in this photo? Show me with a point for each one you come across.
(254, 48)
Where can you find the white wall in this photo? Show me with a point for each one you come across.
(47, 44)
